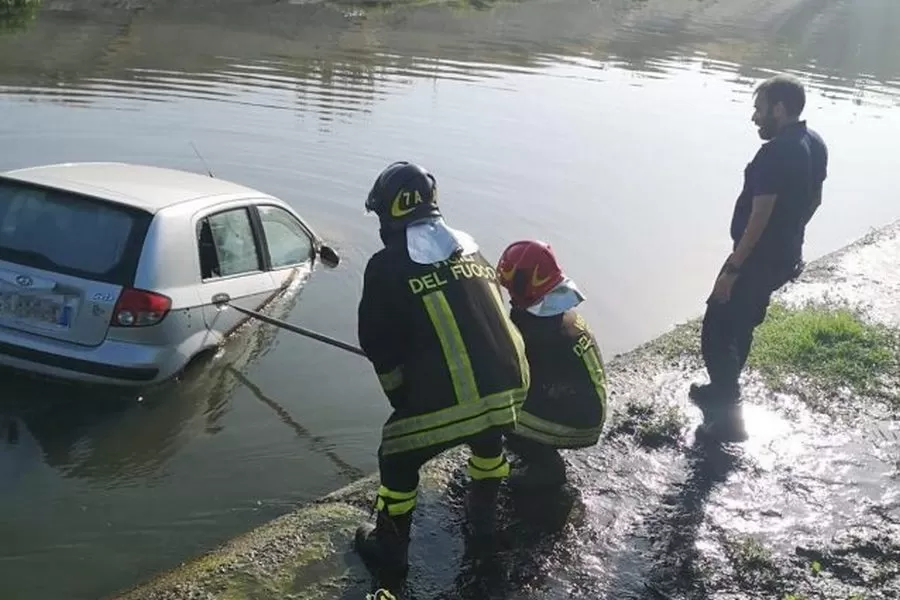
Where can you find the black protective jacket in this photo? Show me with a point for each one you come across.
(566, 403)
(448, 357)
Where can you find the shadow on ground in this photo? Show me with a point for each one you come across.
(808, 507)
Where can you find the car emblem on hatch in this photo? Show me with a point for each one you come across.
(24, 280)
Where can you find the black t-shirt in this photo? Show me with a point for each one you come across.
(792, 166)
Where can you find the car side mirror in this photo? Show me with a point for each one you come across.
(329, 257)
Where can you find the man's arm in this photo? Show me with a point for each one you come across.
(766, 180)
(759, 218)
(820, 174)
(816, 202)
(379, 330)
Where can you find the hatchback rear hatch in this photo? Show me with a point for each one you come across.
(64, 259)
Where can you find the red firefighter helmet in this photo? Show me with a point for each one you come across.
(528, 270)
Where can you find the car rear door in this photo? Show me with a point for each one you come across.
(231, 262)
(64, 258)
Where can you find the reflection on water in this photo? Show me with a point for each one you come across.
(617, 130)
(337, 65)
(17, 15)
(113, 438)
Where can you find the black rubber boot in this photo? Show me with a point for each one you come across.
(708, 395)
(384, 546)
(544, 475)
(723, 423)
(481, 506)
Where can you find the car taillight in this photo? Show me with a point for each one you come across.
(137, 308)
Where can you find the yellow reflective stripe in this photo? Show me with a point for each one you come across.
(536, 428)
(392, 380)
(515, 335)
(452, 344)
(526, 418)
(397, 503)
(392, 495)
(443, 435)
(471, 414)
(452, 414)
(555, 440)
(486, 464)
(501, 415)
(396, 508)
(594, 366)
(488, 468)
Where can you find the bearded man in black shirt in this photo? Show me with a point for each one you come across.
(782, 190)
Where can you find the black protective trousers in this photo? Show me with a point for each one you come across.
(728, 327)
(400, 471)
(537, 455)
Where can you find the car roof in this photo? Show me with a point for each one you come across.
(141, 186)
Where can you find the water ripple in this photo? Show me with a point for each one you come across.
(843, 48)
(307, 103)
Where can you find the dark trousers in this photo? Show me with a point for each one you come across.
(728, 327)
(543, 465)
(400, 472)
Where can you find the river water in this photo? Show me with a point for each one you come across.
(617, 130)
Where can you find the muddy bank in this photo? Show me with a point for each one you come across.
(807, 507)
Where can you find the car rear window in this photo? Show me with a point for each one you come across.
(70, 233)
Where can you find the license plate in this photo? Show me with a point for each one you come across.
(51, 309)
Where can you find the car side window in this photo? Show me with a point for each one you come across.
(289, 243)
(226, 244)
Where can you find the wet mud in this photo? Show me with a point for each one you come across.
(807, 507)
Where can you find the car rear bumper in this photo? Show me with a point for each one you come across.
(113, 363)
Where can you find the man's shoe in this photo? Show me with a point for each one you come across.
(707, 395)
(384, 546)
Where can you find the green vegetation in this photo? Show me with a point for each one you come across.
(682, 342)
(756, 569)
(17, 14)
(831, 345)
(816, 567)
(754, 564)
(750, 554)
(651, 425)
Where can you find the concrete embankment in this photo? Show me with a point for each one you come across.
(807, 507)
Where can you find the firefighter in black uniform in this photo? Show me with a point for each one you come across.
(566, 402)
(450, 361)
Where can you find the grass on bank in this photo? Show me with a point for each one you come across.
(832, 345)
(652, 426)
(16, 14)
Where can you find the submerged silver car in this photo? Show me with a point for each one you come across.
(108, 270)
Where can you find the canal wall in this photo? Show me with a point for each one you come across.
(807, 507)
